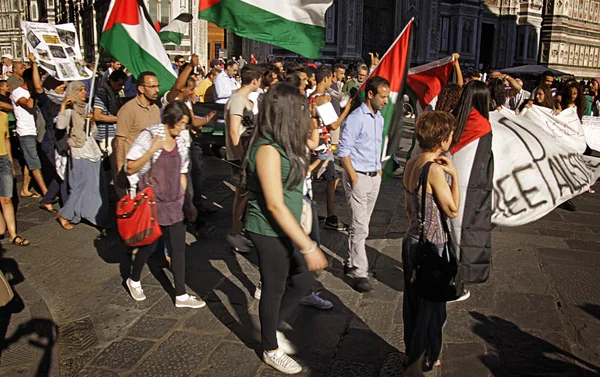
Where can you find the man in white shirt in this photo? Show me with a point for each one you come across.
(239, 117)
(6, 64)
(225, 83)
(24, 108)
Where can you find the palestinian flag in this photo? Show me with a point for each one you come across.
(472, 228)
(296, 25)
(128, 35)
(393, 66)
(426, 81)
(174, 31)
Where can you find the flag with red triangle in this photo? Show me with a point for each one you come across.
(393, 66)
(129, 36)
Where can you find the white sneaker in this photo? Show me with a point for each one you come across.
(258, 293)
(282, 362)
(136, 292)
(315, 300)
(191, 302)
(285, 345)
(465, 295)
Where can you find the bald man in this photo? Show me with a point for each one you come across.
(16, 79)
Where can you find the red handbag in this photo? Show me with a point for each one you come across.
(137, 219)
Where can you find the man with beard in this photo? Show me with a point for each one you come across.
(135, 116)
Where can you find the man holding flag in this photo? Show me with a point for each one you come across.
(360, 153)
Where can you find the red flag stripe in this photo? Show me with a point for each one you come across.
(205, 4)
(123, 12)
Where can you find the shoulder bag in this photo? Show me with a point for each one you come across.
(438, 277)
(137, 219)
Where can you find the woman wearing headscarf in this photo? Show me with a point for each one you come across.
(88, 194)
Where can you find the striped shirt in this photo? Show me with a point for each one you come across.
(101, 102)
(143, 143)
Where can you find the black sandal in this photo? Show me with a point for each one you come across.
(23, 241)
(43, 207)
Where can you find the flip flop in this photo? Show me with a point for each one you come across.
(42, 207)
(33, 195)
(23, 241)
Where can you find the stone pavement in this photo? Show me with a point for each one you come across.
(536, 316)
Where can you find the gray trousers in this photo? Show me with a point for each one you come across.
(361, 200)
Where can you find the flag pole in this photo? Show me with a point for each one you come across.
(393, 44)
(91, 98)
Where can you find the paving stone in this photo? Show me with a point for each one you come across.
(351, 369)
(337, 282)
(460, 326)
(398, 313)
(123, 354)
(352, 348)
(541, 353)
(232, 360)
(464, 360)
(179, 355)
(217, 320)
(504, 258)
(318, 333)
(482, 295)
(387, 285)
(344, 302)
(394, 252)
(395, 337)
(70, 367)
(374, 315)
(151, 327)
(78, 335)
(569, 257)
(392, 365)
(576, 285)
(584, 245)
(529, 311)
(90, 372)
(523, 280)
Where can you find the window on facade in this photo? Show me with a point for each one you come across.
(208, 51)
(152, 9)
(165, 14)
(218, 47)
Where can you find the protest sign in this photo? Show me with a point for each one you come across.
(591, 128)
(565, 127)
(56, 49)
(535, 170)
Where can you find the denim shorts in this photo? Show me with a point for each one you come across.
(6, 177)
(29, 149)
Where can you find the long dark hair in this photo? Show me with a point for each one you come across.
(548, 99)
(580, 101)
(475, 96)
(284, 117)
(497, 93)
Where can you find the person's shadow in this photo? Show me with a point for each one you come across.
(45, 330)
(524, 354)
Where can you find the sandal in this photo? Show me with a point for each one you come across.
(31, 195)
(64, 223)
(52, 210)
(23, 241)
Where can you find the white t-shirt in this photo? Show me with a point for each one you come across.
(25, 120)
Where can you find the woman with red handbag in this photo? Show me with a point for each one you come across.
(159, 157)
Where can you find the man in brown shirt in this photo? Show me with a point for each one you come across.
(135, 116)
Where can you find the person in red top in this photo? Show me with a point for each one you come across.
(253, 59)
(471, 152)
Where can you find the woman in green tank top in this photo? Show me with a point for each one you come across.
(274, 174)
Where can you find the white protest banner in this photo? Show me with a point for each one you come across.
(565, 127)
(56, 49)
(535, 170)
(591, 128)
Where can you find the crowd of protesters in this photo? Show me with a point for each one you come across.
(278, 142)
